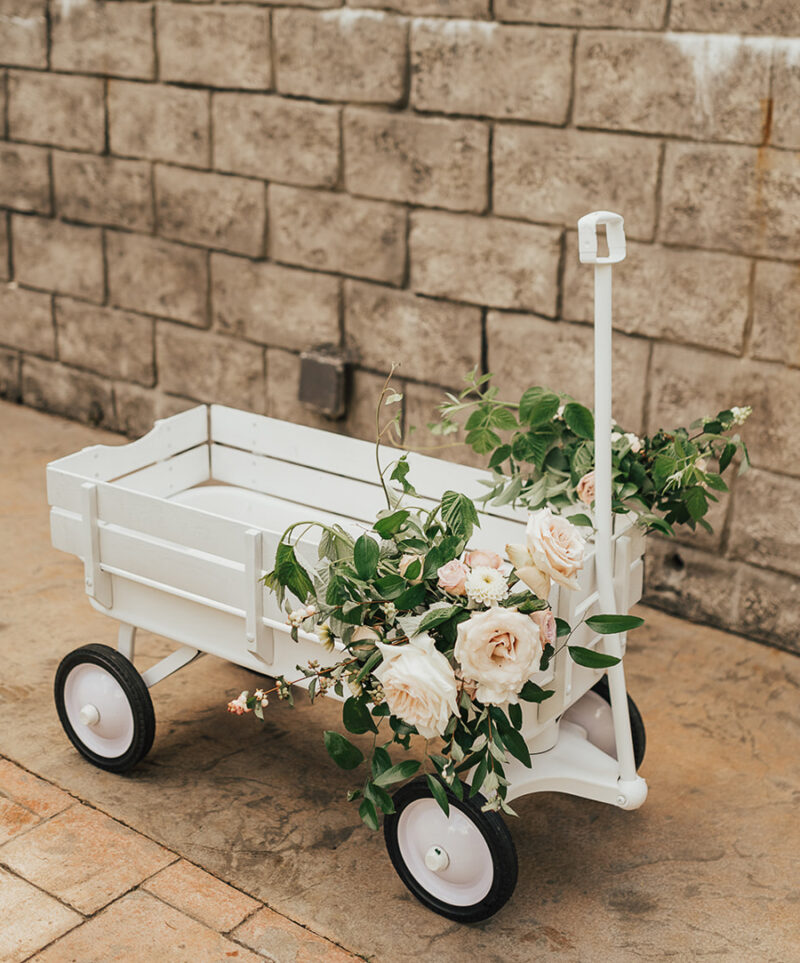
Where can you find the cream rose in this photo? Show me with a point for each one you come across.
(452, 577)
(498, 649)
(537, 581)
(479, 557)
(556, 547)
(546, 623)
(585, 488)
(406, 561)
(419, 685)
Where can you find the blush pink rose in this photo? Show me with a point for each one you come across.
(586, 488)
(546, 622)
(452, 577)
(556, 547)
(480, 557)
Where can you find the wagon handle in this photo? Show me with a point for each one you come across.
(587, 250)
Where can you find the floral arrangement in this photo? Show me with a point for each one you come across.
(429, 635)
(541, 452)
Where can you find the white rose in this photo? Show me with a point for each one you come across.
(536, 580)
(499, 650)
(419, 685)
(556, 547)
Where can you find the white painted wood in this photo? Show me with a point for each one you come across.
(97, 583)
(126, 640)
(167, 438)
(168, 477)
(260, 639)
(169, 664)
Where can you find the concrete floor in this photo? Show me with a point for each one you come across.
(709, 867)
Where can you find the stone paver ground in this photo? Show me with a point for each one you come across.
(233, 837)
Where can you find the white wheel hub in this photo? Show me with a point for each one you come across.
(447, 855)
(98, 710)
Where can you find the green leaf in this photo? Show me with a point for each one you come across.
(579, 420)
(727, 456)
(502, 419)
(291, 573)
(390, 586)
(342, 751)
(411, 597)
(356, 717)
(515, 715)
(391, 524)
(381, 761)
(531, 692)
(562, 628)
(590, 658)
(537, 406)
(403, 770)
(613, 624)
(439, 794)
(479, 776)
(379, 796)
(400, 474)
(581, 519)
(483, 440)
(517, 746)
(715, 482)
(365, 557)
(459, 514)
(368, 813)
(435, 617)
(547, 654)
(381, 710)
(696, 502)
(499, 456)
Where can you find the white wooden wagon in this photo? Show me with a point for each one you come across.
(176, 529)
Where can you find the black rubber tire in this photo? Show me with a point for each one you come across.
(638, 735)
(144, 719)
(492, 828)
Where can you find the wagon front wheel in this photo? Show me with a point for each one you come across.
(104, 707)
(462, 866)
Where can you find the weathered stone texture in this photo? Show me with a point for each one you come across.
(58, 257)
(431, 340)
(467, 67)
(785, 94)
(276, 138)
(441, 163)
(157, 277)
(740, 199)
(159, 122)
(647, 14)
(776, 312)
(484, 260)
(276, 305)
(768, 606)
(214, 210)
(344, 65)
(686, 384)
(98, 37)
(419, 410)
(556, 176)
(66, 391)
(23, 37)
(26, 320)
(58, 109)
(523, 350)
(697, 585)
(716, 91)
(334, 232)
(103, 190)
(4, 266)
(765, 530)
(9, 375)
(210, 367)
(112, 343)
(138, 408)
(775, 17)
(693, 297)
(24, 178)
(214, 46)
(470, 9)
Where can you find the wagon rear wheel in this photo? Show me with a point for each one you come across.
(593, 712)
(104, 707)
(462, 866)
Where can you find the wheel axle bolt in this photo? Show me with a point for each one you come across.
(436, 859)
(89, 715)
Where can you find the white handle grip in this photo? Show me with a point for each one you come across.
(587, 237)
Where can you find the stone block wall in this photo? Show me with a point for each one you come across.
(192, 193)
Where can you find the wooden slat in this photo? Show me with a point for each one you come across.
(167, 438)
(168, 477)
